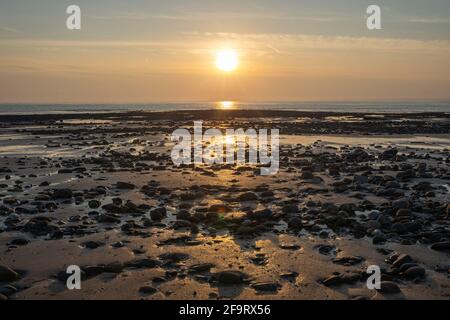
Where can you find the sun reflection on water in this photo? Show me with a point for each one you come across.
(226, 105)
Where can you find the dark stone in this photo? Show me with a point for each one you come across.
(125, 185)
(147, 290)
(7, 274)
(441, 246)
(388, 287)
(266, 286)
(230, 277)
(158, 214)
(62, 194)
(248, 196)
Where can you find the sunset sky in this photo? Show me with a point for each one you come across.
(140, 51)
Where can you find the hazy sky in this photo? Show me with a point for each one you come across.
(140, 51)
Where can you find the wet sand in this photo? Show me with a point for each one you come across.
(100, 191)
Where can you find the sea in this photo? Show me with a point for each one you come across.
(351, 107)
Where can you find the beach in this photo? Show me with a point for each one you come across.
(100, 191)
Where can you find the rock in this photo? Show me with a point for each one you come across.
(415, 272)
(230, 277)
(147, 290)
(360, 179)
(307, 175)
(199, 268)
(401, 204)
(406, 175)
(379, 239)
(388, 287)
(403, 258)
(93, 271)
(158, 214)
(7, 274)
(441, 246)
(10, 200)
(174, 256)
(8, 290)
(290, 208)
(107, 218)
(325, 249)
(125, 185)
(3, 298)
(146, 263)
(261, 214)
(114, 267)
(289, 246)
(40, 226)
(406, 266)
(266, 286)
(19, 242)
(334, 280)
(295, 223)
(93, 244)
(219, 208)
(403, 213)
(349, 261)
(94, 204)
(62, 194)
(248, 196)
(389, 154)
(183, 215)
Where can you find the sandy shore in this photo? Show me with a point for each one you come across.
(100, 191)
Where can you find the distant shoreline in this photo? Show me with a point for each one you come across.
(213, 114)
(289, 122)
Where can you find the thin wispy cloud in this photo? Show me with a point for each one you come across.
(429, 20)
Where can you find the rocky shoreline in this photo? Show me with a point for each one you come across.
(101, 191)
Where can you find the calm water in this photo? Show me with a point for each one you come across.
(381, 107)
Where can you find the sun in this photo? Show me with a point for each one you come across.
(227, 60)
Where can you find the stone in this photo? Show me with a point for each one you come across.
(403, 213)
(62, 194)
(295, 223)
(19, 242)
(389, 287)
(389, 154)
(379, 239)
(248, 196)
(7, 274)
(403, 258)
(147, 290)
(230, 277)
(401, 204)
(146, 263)
(174, 256)
(158, 214)
(307, 175)
(441, 246)
(349, 261)
(183, 215)
(94, 204)
(202, 267)
(266, 286)
(125, 185)
(261, 214)
(219, 208)
(415, 272)
(93, 244)
(333, 280)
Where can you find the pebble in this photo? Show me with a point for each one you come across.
(7, 274)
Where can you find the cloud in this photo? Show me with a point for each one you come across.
(8, 30)
(429, 20)
(211, 16)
